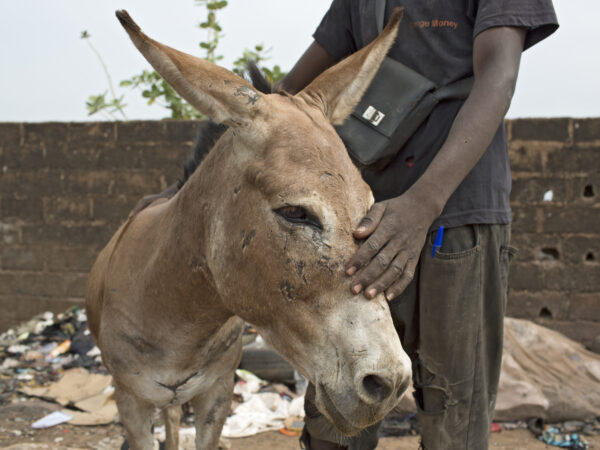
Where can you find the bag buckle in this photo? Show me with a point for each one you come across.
(373, 116)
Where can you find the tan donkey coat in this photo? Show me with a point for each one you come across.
(259, 233)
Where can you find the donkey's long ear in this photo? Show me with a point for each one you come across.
(338, 90)
(214, 91)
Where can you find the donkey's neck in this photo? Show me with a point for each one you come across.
(178, 276)
(189, 220)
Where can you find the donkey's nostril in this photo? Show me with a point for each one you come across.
(377, 388)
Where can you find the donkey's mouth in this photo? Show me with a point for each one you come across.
(338, 419)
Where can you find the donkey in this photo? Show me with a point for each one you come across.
(259, 233)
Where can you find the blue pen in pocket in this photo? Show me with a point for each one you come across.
(439, 237)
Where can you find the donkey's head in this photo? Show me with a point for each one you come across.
(281, 219)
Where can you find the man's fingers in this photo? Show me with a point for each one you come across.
(363, 256)
(374, 268)
(392, 274)
(368, 224)
(407, 276)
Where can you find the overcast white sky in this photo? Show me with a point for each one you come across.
(47, 72)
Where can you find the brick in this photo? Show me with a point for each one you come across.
(540, 129)
(585, 307)
(585, 278)
(51, 132)
(27, 209)
(10, 232)
(113, 209)
(10, 134)
(572, 219)
(21, 258)
(577, 248)
(89, 181)
(7, 280)
(69, 259)
(571, 160)
(32, 283)
(67, 210)
(538, 246)
(533, 305)
(32, 183)
(554, 276)
(134, 132)
(29, 156)
(167, 157)
(586, 130)
(536, 277)
(570, 249)
(525, 219)
(526, 158)
(122, 156)
(583, 331)
(75, 285)
(586, 190)
(95, 237)
(137, 183)
(92, 132)
(183, 130)
(532, 189)
(77, 155)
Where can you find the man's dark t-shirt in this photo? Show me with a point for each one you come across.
(435, 38)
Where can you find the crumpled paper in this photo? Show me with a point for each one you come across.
(259, 412)
(91, 393)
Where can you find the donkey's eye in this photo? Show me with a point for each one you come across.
(299, 215)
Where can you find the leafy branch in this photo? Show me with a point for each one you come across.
(212, 28)
(158, 92)
(98, 103)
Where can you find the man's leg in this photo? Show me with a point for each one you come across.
(462, 299)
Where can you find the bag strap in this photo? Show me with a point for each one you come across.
(458, 90)
(380, 14)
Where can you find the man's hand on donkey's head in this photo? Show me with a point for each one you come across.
(394, 231)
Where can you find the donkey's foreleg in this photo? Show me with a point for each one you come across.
(172, 417)
(136, 416)
(210, 412)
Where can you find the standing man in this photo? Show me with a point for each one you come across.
(453, 173)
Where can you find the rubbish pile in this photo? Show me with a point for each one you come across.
(53, 357)
(546, 378)
(39, 351)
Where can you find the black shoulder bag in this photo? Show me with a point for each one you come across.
(397, 101)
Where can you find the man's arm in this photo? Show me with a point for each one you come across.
(397, 228)
(314, 61)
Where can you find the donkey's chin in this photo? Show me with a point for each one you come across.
(329, 409)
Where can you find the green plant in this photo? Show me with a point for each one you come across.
(98, 103)
(258, 55)
(158, 92)
(212, 28)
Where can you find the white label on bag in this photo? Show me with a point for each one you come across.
(373, 115)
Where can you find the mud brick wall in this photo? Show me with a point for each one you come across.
(555, 277)
(66, 187)
(64, 190)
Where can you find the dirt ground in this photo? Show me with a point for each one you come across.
(16, 434)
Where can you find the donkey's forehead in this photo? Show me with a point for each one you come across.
(303, 156)
(293, 114)
(299, 137)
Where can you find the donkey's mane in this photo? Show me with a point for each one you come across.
(210, 132)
